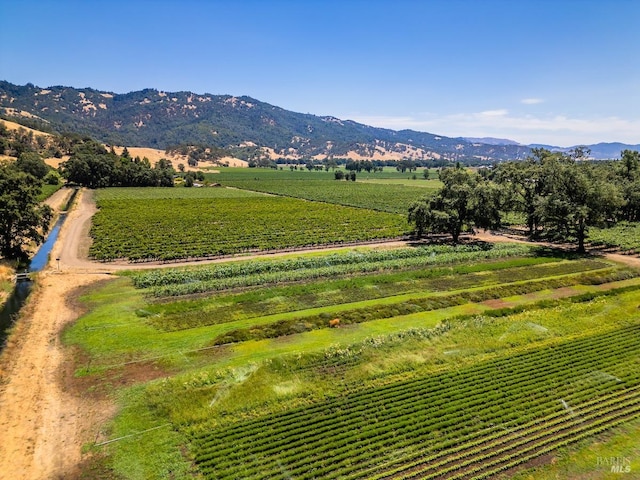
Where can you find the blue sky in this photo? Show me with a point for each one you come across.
(560, 72)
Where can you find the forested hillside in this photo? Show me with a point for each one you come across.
(158, 119)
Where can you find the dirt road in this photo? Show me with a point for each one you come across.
(43, 425)
(628, 260)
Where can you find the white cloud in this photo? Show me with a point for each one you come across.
(531, 101)
(494, 113)
(557, 130)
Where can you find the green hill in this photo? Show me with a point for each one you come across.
(151, 118)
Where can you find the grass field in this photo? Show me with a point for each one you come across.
(459, 363)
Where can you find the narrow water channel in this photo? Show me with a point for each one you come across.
(21, 291)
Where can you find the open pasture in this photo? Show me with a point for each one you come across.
(462, 362)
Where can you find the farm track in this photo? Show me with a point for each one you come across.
(44, 424)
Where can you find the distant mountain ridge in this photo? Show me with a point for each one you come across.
(600, 151)
(492, 140)
(156, 119)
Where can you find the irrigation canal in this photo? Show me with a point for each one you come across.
(23, 284)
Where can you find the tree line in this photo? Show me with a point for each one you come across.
(91, 165)
(22, 218)
(558, 195)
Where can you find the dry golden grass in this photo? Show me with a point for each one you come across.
(16, 126)
(6, 285)
(154, 154)
(55, 162)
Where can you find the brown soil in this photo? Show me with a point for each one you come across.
(44, 425)
(497, 303)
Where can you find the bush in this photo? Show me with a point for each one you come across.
(52, 179)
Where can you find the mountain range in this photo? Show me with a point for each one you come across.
(156, 119)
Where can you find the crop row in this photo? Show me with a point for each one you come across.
(382, 440)
(434, 254)
(624, 235)
(472, 445)
(346, 436)
(438, 390)
(167, 229)
(189, 285)
(157, 193)
(437, 280)
(336, 359)
(385, 198)
(372, 397)
(300, 324)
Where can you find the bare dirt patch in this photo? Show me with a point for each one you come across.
(44, 425)
(99, 387)
(497, 303)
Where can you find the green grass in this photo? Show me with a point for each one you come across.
(286, 443)
(153, 193)
(286, 174)
(376, 196)
(212, 389)
(261, 272)
(122, 327)
(431, 185)
(227, 307)
(389, 191)
(249, 388)
(48, 190)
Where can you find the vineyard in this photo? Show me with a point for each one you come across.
(471, 423)
(169, 224)
(624, 236)
(429, 362)
(376, 196)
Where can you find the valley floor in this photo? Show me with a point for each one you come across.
(45, 424)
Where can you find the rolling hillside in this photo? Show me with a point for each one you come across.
(151, 118)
